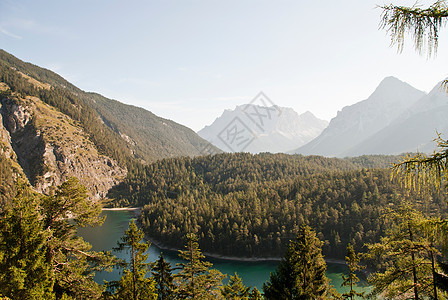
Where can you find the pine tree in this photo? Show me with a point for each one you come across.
(255, 294)
(41, 257)
(196, 280)
(235, 289)
(352, 259)
(301, 273)
(23, 272)
(69, 256)
(133, 284)
(163, 277)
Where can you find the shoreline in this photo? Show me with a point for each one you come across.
(213, 255)
(121, 208)
(235, 258)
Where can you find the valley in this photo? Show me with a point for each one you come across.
(66, 152)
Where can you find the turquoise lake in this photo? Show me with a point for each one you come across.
(106, 236)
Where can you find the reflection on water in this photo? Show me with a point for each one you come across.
(104, 238)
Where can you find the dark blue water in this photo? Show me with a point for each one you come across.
(253, 273)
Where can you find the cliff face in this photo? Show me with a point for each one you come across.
(50, 146)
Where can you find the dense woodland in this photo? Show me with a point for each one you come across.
(252, 205)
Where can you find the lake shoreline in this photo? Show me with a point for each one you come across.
(235, 258)
(162, 246)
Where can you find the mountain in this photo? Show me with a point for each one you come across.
(54, 130)
(413, 131)
(50, 147)
(358, 122)
(253, 128)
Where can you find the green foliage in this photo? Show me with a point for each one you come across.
(24, 273)
(352, 259)
(422, 172)
(196, 280)
(422, 24)
(301, 273)
(252, 205)
(72, 263)
(7, 184)
(134, 284)
(235, 289)
(404, 255)
(129, 134)
(255, 294)
(41, 257)
(162, 273)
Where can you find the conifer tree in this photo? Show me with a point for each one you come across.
(23, 271)
(301, 273)
(235, 289)
(68, 255)
(162, 272)
(255, 294)
(196, 280)
(41, 257)
(404, 266)
(133, 284)
(352, 259)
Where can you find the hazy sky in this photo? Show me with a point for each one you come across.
(188, 60)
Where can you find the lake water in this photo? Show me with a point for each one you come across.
(253, 273)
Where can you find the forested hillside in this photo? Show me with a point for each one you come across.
(252, 205)
(123, 132)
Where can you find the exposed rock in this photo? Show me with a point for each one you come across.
(51, 147)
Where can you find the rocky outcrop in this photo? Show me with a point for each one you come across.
(51, 147)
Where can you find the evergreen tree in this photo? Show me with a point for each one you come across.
(23, 271)
(41, 257)
(133, 284)
(404, 264)
(68, 255)
(301, 273)
(255, 294)
(352, 259)
(162, 273)
(235, 289)
(196, 280)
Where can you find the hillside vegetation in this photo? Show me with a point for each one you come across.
(126, 133)
(252, 205)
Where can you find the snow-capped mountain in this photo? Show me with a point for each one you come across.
(359, 122)
(253, 128)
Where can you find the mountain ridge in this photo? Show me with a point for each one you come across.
(358, 122)
(269, 129)
(52, 129)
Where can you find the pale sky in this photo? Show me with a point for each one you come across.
(188, 60)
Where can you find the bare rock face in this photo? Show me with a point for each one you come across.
(51, 147)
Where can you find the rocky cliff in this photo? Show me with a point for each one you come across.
(50, 146)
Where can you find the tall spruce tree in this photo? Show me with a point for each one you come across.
(301, 273)
(196, 280)
(352, 259)
(162, 273)
(134, 284)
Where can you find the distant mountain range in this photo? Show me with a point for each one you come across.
(254, 128)
(395, 119)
